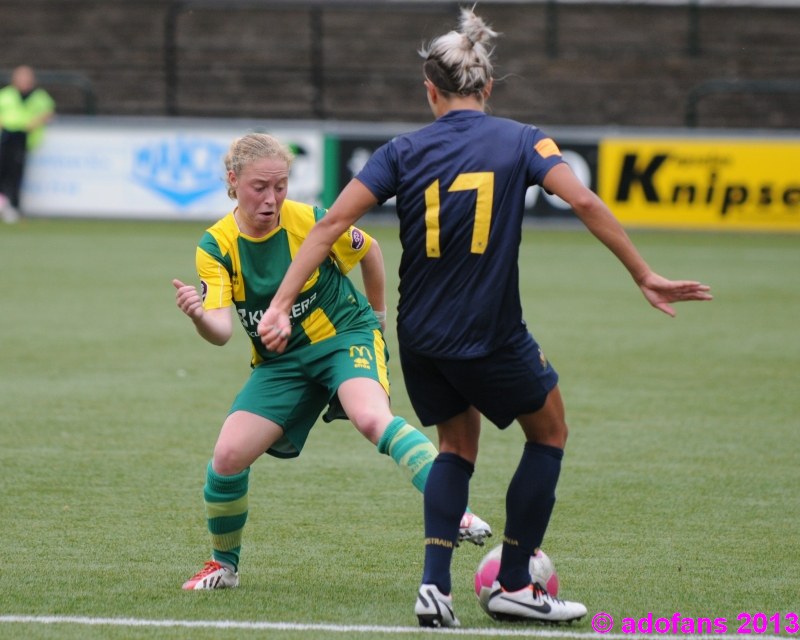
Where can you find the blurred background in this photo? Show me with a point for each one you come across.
(681, 490)
(664, 64)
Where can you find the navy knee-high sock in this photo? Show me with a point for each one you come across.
(446, 496)
(529, 504)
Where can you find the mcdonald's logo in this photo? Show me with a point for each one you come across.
(363, 352)
(362, 357)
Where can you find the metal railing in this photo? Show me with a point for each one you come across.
(316, 76)
(314, 8)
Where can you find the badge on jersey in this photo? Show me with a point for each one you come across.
(356, 239)
(547, 148)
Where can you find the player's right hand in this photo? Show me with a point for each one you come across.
(275, 328)
(188, 299)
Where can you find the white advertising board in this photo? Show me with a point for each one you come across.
(156, 169)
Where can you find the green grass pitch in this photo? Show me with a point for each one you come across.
(679, 491)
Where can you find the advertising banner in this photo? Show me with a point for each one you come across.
(140, 169)
(172, 168)
(702, 183)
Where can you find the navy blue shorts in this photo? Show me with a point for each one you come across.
(507, 383)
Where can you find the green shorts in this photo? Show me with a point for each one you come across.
(293, 389)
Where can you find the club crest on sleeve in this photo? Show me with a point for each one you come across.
(357, 239)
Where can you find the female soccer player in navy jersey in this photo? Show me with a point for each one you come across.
(336, 349)
(465, 350)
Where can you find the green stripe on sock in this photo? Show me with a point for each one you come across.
(410, 449)
(230, 558)
(391, 430)
(226, 512)
(227, 542)
(228, 524)
(220, 488)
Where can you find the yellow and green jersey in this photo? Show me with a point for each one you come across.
(237, 269)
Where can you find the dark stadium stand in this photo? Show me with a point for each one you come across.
(601, 64)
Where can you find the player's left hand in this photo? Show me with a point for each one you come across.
(380, 316)
(275, 329)
(660, 291)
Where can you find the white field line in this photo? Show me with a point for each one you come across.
(526, 632)
(284, 626)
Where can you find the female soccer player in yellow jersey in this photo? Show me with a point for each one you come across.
(336, 353)
(465, 350)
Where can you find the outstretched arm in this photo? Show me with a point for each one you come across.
(593, 212)
(214, 325)
(353, 202)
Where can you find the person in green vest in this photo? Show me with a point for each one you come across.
(24, 110)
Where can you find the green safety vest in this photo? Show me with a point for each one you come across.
(16, 113)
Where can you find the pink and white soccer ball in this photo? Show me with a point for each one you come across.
(541, 567)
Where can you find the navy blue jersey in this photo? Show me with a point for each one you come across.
(460, 184)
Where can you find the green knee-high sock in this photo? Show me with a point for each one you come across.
(226, 510)
(410, 449)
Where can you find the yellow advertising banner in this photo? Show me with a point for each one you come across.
(702, 183)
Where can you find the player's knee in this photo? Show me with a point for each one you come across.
(370, 425)
(552, 433)
(557, 435)
(227, 461)
(464, 446)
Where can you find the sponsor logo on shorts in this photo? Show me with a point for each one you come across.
(362, 357)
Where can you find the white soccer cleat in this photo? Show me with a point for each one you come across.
(473, 529)
(434, 609)
(531, 603)
(213, 575)
(8, 213)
